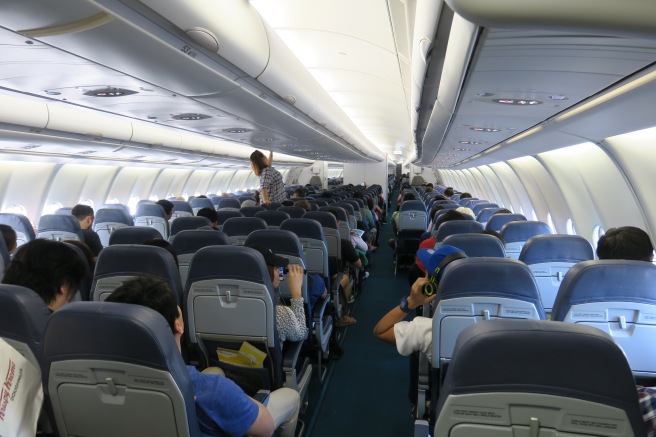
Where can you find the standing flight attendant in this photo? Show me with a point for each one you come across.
(272, 186)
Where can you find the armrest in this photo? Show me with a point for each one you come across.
(320, 308)
(291, 353)
(262, 396)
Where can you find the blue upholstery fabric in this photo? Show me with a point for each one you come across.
(242, 225)
(182, 206)
(200, 202)
(283, 243)
(272, 218)
(188, 223)
(341, 213)
(293, 211)
(556, 248)
(517, 231)
(185, 242)
(484, 214)
(50, 223)
(481, 206)
(133, 235)
(304, 228)
(20, 223)
(606, 281)
(476, 245)
(250, 211)
(457, 227)
(226, 214)
(150, 210)
(496, 222)
(229, 202)
(112, 215)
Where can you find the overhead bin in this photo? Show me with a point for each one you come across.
(14, 110)
(90, 123)
(149, 133)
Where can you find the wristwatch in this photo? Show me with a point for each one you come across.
(404, 305)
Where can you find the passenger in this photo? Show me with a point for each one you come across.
(299, 192)
(503, 211)
(306, 205)
(9, 235)
(627, 242)
(326, 194)
(211, 215)
(466, 211)
(168, 207)
(160, 242)
(256, 196)
(465, 196)
(270, 179)
(248, 202)
(50, 268)
(290, 320)
(222, 407)
(448, 192)
(494, 234)
(88, 255)
(84, 214)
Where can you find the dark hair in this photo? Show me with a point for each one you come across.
(409, 196)
(303, 204)
(448, 192)
(465, 196)
(9, 235)
(326, 194)
(439, 197)
(44, 266)
(494, 234)
(202, 196)
(166, 204)
(150, 292)
(159, 242)
(370, 203)
(429, 185)
(503, 211)
(82, 211)
(258, 162)
(209, 213)
(448, 216)
(627, 242)
(86, 251)
(300, 192)
(358, 195)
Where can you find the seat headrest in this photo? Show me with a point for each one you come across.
(477, 244)
(150, 210)
(250, 211)
(189, 241)
(605, 281)
(201, 202)
(326, 219)
(341, 212)
(114, 215)
(229, 202)
(556, 247)
(182, 206)
(279, 241)
(273, 217)
(523, 230)
(189, 223)
(304, 228)
(19, 222)
(484, 214)
(24, 317)
(242, 225)
(133, 235)
(226, 214)
(496, 222)
(58, 222)
(293, 211)
(229, 262)
(413, 205)
(457, 227)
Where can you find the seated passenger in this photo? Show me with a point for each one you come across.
(299, 192)
(303, 204)
(222, 407)
(467, 211)
(160, 242)
(448, 192)
(247, 202)
(627, 242)
(290, 320)
(50, 268)
(168, 207)
(212, 216)
(465, 196)
(84, 214)
(9, 235)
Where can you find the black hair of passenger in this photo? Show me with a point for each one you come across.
(409, 196)
(300, 192)
(86, 251)
(450, 215)
(9, 235)
(166, 204)
(150, 292)
(503, 211)
(465, 196)
(439, 197)
(358, 195)
(202, 196)
(44, 266)
(448, 192)
(626, 242)
(81, 211)
(160, 242)
(208, 213)
(494, 234)
(326, 194)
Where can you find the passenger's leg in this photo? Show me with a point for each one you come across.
(284, 405)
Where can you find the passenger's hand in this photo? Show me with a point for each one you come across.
(417, 297)
(295, 280)
(267, 202)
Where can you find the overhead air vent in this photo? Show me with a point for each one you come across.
(30, 147)
(191, 116)
(109, 92)
(237, 130)
(485, 129)
(85, 152)
(517, 102)
(138, 157)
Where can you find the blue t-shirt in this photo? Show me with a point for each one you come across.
(316, 287)
(223, 409)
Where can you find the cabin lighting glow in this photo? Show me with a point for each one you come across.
(517, 102)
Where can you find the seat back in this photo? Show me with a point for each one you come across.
(273, 219)
(483, 215)
(293, 211)
(350, 211)
(229, 299)
(152, 215)
(545, 382)
(119, 372)
(198, 203)
(315, 248)
(475, 289)
(20, 224)
(476, 245)
(457, 227)
(188, 224)
(118, 263)
(4, 258)
(186, 243)
(550, 257)
(412, 215)
(229, 202)
(250, 211)
(496, 222)
(518, 232)
(59, 228)
(181, 208)
(272, 206)
(238, 228)
(133, 235)
(481, 206)
(225, 214)
(107, 220)
(343, 225)
(330, 231)
(617, 297)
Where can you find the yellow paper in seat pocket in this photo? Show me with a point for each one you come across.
(258, 356)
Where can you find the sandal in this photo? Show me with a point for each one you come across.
(345, 321)
(351, 299)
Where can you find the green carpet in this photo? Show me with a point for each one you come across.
(365, 393)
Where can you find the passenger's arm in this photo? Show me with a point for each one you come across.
(263, 425)
(265, 196)
(384, 329)
(271, 158)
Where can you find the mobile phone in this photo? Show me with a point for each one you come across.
(281, 273)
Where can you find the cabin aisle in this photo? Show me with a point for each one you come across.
(366, 393)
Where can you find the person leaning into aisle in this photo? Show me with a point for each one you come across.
(271, 182)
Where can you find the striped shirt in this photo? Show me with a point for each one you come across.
(271, 179)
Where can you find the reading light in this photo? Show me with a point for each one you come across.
(484, 129)
(188, 116)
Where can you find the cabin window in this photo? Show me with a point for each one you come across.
(597, 233)
(50, 208)
(185, 196)
(550, 222)
(16, 209)
(132, 204)
(87, 202)
(170, 196)
(112, 201)
(570, 227)
(535, 217)
(197, 194)
(154, 198)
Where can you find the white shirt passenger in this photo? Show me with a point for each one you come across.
(415, 336)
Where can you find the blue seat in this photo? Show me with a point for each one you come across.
(318, 202)
(153, 216)
(476, 245)
(481, 206)
(516, 234)
(343, 226)
(188, 224)
(412, 215)
(545, 377)
(331, 233)
(118, 371)
(273, 219)
(107, 220)
(250, 211)
(4, 258)
(59, 227)
(238, 228)
(272, 206)
(198, 203)
(457, 227)
(133, 235)
(226, 214)
(229, 202)
(619, 298)
(463, 202)
(186, 244)
(293, 211)
(550, 257)
(119, 263)
(496, 222)
(350, 212)
(64, 211)
(181, 208)
(484, 214)
(242, 199)
(20, 224)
